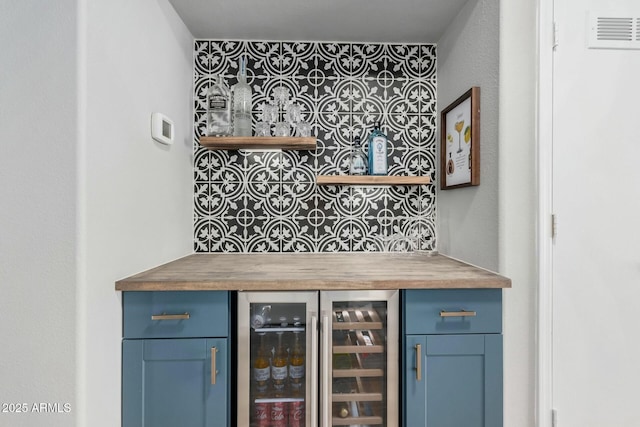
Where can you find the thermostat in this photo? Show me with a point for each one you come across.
(162, 128)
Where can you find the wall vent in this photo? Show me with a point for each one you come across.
(614, 31)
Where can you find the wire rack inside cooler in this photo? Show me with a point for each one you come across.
(359, 361)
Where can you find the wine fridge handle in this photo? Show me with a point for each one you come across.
(326, 392)
(314, 371)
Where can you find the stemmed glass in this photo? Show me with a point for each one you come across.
(269, 117)
(281, 96)
(293, 115)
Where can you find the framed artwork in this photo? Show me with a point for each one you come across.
(460, 142)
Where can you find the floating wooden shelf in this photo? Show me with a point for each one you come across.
(371, 180)
(257, 142)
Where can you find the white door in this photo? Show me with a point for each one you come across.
(596, 197)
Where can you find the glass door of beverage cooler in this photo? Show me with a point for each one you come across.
(359, 362)
(277, 359)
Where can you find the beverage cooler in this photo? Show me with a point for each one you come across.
(318, 358)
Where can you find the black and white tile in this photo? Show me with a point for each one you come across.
(248, 201)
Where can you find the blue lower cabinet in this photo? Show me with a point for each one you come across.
(453, 380)
(169, 382)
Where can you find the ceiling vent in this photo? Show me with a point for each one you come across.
(614, 32)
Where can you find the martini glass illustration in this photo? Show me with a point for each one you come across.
(458, 127)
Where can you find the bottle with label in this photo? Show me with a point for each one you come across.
(242, 102)
(261, 368)
(358, 161)
(219, 108)
(279, 368)
(378, 151)
(296, 363)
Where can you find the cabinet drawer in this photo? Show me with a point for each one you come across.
(175, 314)
(453, 311)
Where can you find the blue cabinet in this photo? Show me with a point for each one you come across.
(452, 359)
(178, 379)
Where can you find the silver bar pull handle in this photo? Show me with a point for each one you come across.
(214, 371)
(326, 372)
(461, 313)
(164, 316)
(418, 348)
(313, 421)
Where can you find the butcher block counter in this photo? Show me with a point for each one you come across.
(312, 271)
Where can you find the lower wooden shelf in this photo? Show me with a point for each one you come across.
(371, 180)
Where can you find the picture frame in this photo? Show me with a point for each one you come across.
(460, 142)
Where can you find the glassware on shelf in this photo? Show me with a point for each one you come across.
(293, 113)
(219, 108)
(358, 160)
(263, 129)
(242, 102)
(304, 129)
(270, 113)
(282, 129)
(281, 96)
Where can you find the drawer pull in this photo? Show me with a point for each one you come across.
(418, 348)
(214, 371)
(170, 316)
(462, 313)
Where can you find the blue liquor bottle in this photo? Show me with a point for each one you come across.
(378, 147)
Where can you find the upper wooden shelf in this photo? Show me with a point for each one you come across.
(371, 180)
(257, 142)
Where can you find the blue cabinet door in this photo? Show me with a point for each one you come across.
(169, 383)
(460, 381)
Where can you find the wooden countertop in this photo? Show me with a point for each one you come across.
(312, 271)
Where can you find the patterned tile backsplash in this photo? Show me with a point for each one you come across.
(252, 201)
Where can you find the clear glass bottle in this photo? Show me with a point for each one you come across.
(261, 368)
(242, 102)
(358, 161)
(279, 368)
(378, 151)
(296, 361)
(219, 108)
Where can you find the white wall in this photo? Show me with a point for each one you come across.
(468, 55)
(136, 194)
(38, 208)
(517, 205)
(493, 225)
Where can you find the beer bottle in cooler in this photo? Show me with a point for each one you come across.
(279, 368)
(261, 367)
(296, 363)
(261, 376)
(279, 376)
(296, 375)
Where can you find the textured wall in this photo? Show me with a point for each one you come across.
(38, 106)
(268, 201)
(135, 192)
(468, 55)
